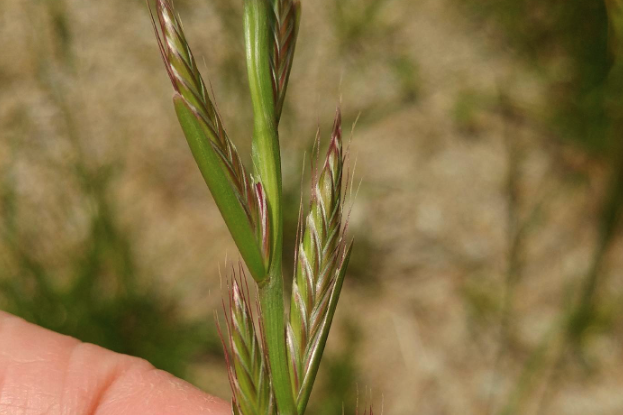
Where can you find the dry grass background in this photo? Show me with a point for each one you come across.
(452, 153)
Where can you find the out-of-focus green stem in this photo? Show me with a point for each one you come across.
(267, 165)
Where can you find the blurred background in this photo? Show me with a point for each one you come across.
(487, 275)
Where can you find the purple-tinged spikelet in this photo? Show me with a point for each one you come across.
(285, 26)
(321, 252)
(245, 354)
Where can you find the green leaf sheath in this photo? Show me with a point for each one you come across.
(224, 195)
(321, 260)
(267, 164)
(266, 154)
(187, 82)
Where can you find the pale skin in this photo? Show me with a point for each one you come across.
(45, 373)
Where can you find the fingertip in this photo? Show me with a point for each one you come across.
(153, 391)
(41, 369)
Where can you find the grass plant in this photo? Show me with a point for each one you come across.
(272, 364)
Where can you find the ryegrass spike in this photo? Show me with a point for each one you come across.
(246, 356)
(321, 258)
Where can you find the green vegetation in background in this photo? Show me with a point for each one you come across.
(567, 42)
(587, 314)
(339, 375)
(576, 48)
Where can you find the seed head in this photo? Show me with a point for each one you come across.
(285, 26)
(246, 356)
(320, 264)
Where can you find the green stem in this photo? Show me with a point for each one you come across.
(267, 165)
(271, 301)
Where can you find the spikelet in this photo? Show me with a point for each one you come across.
(285, 26)
(246, 357)
(187, 82)
(321, 258)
